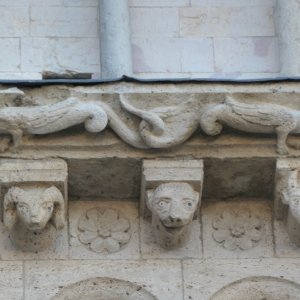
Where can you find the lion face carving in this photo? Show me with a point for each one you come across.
(173, 206)
(33, 208)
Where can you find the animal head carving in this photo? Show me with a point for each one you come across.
(34, 208)
(173, 205)
(291, 197)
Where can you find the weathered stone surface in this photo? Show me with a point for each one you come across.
(275, 278)
(237, 229)
(161, 278)
(103, 230)
(34, 204)
(11, 280)
(104, 288)
(151, 249)
(171, 192)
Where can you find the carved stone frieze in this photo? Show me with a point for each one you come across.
(257, 118)
(164, 126)
(171, 193)
(104, 230)
(237, 229)
(51, 118)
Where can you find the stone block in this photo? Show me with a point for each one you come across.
(45, 2)
(20, 75)
(40, 54)
(119, 178)
(233, 2)
(159, 22)
(254, 54)
(284, 247)
(237, 229)
(64, 21)
(14, 22)
(161, 278)
(25, 177)
(7, 3)
(10, 56)
(158, 3)
(11, 280)
(217, 279)
(227, 21)
(121, 241)
(156, 55)
(85, 3)
(196, 55)
(157, 172)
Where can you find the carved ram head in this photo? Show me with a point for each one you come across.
(33, 208)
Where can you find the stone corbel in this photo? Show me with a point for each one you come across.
(34, 201)
(171, 195)
(287, 196)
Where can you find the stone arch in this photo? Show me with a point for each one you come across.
(259, 288)
(103, 288)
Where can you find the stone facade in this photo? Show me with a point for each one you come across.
(234, 39)
(155, 203)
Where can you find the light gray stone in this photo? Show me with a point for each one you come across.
(264, 118)
(150, 249)
(171, 192)
(267, 278)
(11, 280)
(103, 230)
(287, 194)
(34, 203)
(237, 229)
(161, 278)
(51, 118)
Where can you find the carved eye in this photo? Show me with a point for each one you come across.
(189, 203)
(22, 207)
(162, 203)
(48, 206)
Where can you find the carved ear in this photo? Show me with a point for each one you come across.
(196, 197)
(9, 208)
(58, 217)
(149, 199)
(285, 197)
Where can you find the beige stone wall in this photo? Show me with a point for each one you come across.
(180, 39)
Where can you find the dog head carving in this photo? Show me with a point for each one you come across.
(173, 206)
(291, 197)
(34, 208)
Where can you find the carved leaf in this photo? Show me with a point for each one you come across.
(221, 235)
(122, 237)
(87, 225)
(98, 245)
(244, 243)
(87, 237)
(121, 225)
(230, 243)
(112, 245)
